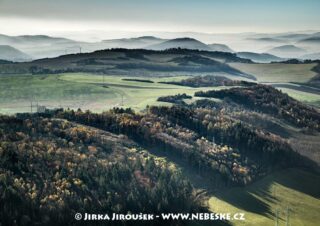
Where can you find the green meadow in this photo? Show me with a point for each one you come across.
(278, 72)
(293, 193)
(85, 91)
(98, 93)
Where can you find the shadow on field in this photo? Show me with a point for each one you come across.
(200, 182)
(250, 198)
(259, 197)
(208, 223)
(246, 200)
(301, 181)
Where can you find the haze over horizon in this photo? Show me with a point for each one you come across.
(95, 20)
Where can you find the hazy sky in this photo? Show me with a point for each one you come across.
(211, 16)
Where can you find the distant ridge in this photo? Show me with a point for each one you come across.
(184, 43)
(311, 40)
(220, 48)
(259, 57)
(288, 45)
(137, 61)
(32, 39)
(9, 53)
(287, 51)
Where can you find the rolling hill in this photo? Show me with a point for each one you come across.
(294, 37)
(43, 46)
(311, 43)
(158, 159)
(287, 51)
(234, 148)
(289, 37)
(56, 46)
(259, 57)
(184, 43)
(269, 40)
(133, 43)
(315, 40)
(135, 62)
(220, 48)
(86, 172)
(24, 40)
(12, 54)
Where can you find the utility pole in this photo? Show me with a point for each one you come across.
(277, 218)
(288, 216)
(31, 106)
(80, 49)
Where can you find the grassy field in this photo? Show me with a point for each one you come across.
(306, 97)
(17, 92)
(293, 188)
(136, 95)
(99, 93)
(284, 74)
(278, 73)
(85, 91)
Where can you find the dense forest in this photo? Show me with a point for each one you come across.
(50, 169)
(270, 101)
(63, 161)
(126, 61)
(137, 80)
(176, 99)
(209, 80)
(230, 151)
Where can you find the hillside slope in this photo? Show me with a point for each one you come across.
(259, 57)
(52, 169)
(12, 54)
(161, 160)
(134, 62)
(293, 193)
(184, 43)
(220, 48)
(287, 51)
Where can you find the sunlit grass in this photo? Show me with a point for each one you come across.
(294, 189)
(275, 73)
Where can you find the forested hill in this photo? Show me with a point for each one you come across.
(51, 169)
(209, 81)
(60, 162)
(270, 101)
(233, 153)
(125, 61)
